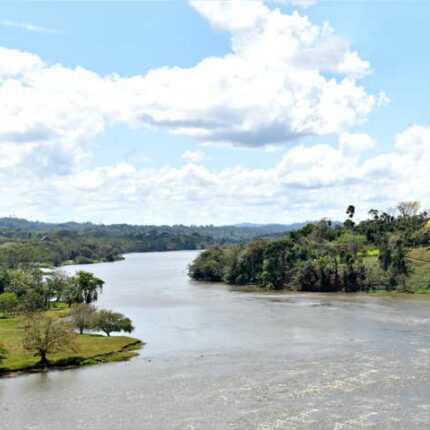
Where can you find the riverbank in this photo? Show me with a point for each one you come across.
(91, 349)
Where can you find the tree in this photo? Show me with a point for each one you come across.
(208, 266)
(89, 286)
(349, 223)
(81, 316)
(17, 282)
(31, 302)
(44, 335)
(392, 259)
(8, 302)
(59, 283)
(278, 256)
(22, 256)
(350, 211)
(408, 209)
(401, 268)
(109, 321)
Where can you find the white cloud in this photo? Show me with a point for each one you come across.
(301, 3)
(415, 140)
(283, 79)
(307, 183)
(28, 27)
(194, 156)
(269, 90)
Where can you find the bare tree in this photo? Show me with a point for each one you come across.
(408, 209)
(44, 334)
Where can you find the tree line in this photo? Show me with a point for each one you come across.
(84, 243)
(325, 257)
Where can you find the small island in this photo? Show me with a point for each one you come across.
(46, 320)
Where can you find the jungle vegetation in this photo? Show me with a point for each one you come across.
(388, 251)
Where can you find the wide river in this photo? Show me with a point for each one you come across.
(221, 358)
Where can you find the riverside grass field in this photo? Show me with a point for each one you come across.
(90, 348)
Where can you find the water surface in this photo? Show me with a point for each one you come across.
(220, 358)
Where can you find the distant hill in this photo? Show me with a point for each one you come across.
(248, 230)
(88, 242)
(274, 227)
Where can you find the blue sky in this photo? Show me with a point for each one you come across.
(133, 38)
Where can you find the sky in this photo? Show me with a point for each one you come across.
(212, 112)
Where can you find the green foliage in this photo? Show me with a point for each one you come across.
(209, 266)
(90, 348)
(45, 334)
(31, 302)
(8, 303)
(325, 257)
(26, 244)
(87, 286)
(109, 321)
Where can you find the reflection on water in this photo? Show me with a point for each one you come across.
(219, 357)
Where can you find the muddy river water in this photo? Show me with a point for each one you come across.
(222, 358)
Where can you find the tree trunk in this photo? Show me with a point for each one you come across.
(43, 360)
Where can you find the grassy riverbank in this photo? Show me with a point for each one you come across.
(91, 349)
(419, 280)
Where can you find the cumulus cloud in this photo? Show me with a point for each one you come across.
(308, 182)
(283, 79)
(194, 156)
(272, 88)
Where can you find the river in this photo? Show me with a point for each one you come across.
(222, 358)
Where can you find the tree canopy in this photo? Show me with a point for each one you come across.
(323, 256)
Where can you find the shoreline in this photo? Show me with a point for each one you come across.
(124, 353)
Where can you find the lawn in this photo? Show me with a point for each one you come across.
(91, 349)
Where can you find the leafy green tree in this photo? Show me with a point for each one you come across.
(58, 284)
(109, 321)
(278, 257)
(31, 302)
(208, 266)
(18, 282)
(350, 211)
(8, 303)
(400, 266)
(22, 256)
(44, 335)
(88, 286)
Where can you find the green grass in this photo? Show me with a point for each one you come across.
(419, 281)
(91, 349)
(422, 253)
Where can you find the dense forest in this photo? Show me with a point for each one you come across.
(388, 251)
(46, 243)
